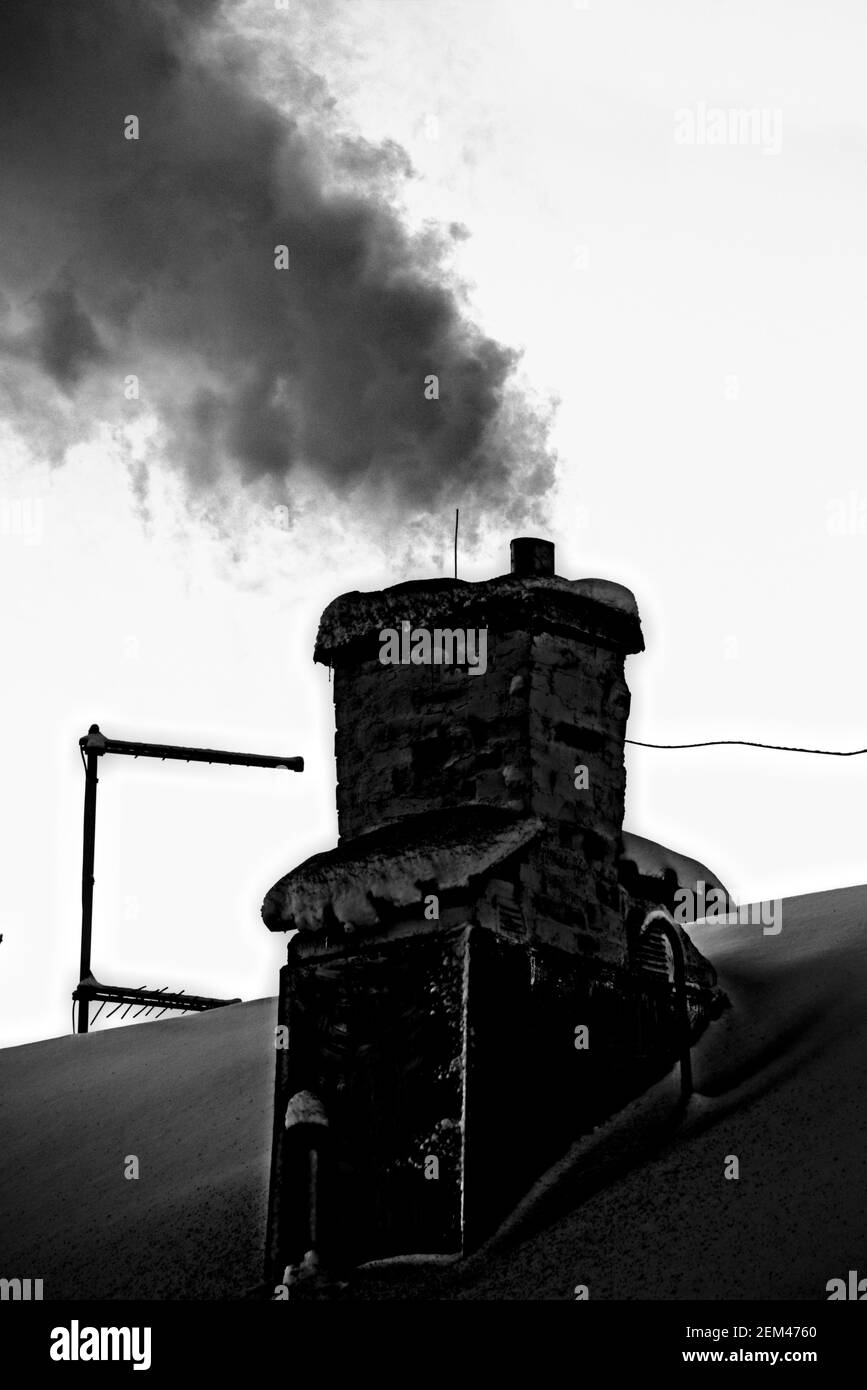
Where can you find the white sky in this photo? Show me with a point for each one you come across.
(648, 282)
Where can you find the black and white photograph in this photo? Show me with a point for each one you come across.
(433, 536)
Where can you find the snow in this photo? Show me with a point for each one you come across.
(447, 603)
(448, 848)
(640, 1210)
(192, 1098)
(652, 859)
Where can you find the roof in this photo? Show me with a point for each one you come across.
(393, 865)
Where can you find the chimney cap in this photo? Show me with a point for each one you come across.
(531, 556)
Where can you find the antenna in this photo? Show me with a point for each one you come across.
(457, 513)
(94, 745)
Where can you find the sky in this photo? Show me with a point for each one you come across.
(643, 304)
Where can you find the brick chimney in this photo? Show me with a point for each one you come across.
(414, 737)
(471, 929)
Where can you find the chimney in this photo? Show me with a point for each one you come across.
(418, 735)
(451, 952)
(532, 557)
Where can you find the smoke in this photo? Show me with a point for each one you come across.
(155, 257)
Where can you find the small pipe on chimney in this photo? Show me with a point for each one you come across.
(531, 556)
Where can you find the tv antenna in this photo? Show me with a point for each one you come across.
(93, 746)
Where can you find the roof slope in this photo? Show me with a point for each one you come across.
(781, 1083)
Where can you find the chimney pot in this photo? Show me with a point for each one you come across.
(532, 556)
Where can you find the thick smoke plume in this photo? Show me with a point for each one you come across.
(156, 257)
